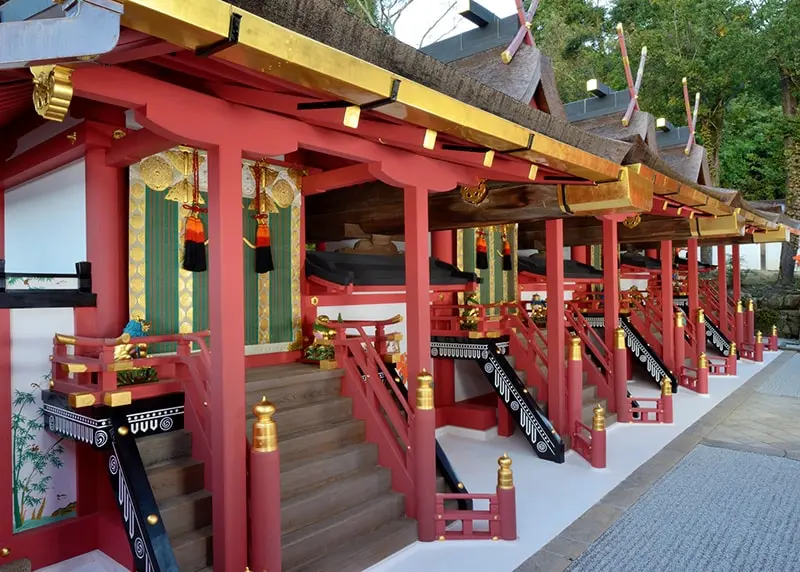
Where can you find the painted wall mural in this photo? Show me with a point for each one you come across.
(42, 466)
(498, 285)
(174, 300)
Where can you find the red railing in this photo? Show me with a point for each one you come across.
(532, 357)
(382, 406)
(647, 319)
(500, 515)
(446, 319)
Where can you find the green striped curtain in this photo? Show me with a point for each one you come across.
(280, 279)
(497, 285)
(161, 253)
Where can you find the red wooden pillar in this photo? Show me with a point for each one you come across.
(737, 273)
(574, 384)
(580, 254)
(739, 317)
(425, 458)
(667, 334)
(227, 389)
(444, 369)
(750, 322)
(556, 329)
(610, 283)
(693, 291)
(6, 444)
(722, 287)
(415, 204)
(620, 365)
(679, 347)
(651, 253)
(265, 487)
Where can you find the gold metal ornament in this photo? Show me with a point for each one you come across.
(475, 195)
(156, 173)
(52, 91)
(283, 193)
(265, 432)
(505, 476)
(632, 221)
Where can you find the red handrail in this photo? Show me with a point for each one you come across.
(533, 358)
(588, 335)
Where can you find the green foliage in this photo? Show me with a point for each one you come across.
(765, 318)
(30, 462)
(137, 376)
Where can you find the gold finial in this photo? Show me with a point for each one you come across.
(5, 552)
(774, 330)
(599, 418)
(759, 337)
(750, 305)
(702, 362)
(733, 349)
(265, 432)
(505, 477)
(666, 386)
(575, 349)
(619, 338)
(679, 319)
(424, 391)
(152, 519)
(739, 307)
(122, 431)
(701, 316)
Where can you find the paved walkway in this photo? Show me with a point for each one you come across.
(748, 421)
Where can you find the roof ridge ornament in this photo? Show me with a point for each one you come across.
(633, 87)
(524, 32)
(691, 118)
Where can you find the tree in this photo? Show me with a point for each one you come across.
(382, 14)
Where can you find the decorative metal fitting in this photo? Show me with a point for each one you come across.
(265, 432)
(505, 477)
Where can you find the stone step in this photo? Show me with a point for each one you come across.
(159, 448)
(175, 478)
(318, 440)
(186, 513)
(304, 475)
(365, 551)
(335, 497)
(323, 539)
(301, 417)
(193, 550)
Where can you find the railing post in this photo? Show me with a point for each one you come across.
(620, 365)
(732, 359)
(758, 350)
(739, 324)
(574, 384)
(702, 374)
(599, 438)
(700, 333)
(506, 499)
(751, 321)
(425, 458)
(666, 401)
(773, 339)
(265, 491)
(680, 344)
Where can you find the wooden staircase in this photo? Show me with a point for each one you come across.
(338, 510)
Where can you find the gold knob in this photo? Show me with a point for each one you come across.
(505, 477)
(265, 432)
(424, 391)
(152, 519)
(5, 552)
(122, 431)
(666, 387)
(599, 418)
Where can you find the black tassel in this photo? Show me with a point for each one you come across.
(264, 259)
(481, 258)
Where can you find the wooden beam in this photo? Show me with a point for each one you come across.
(357, 174)
(376, 208)
(136, 146)
(580, 231)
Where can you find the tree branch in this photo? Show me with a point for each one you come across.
(436, 23)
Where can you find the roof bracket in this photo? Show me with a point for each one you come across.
(219, 45)
(528, 148)
(340, 103)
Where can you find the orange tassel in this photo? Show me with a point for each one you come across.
(262, 235)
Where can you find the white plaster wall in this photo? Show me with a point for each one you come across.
(626, 283)
(750, 255)
(469, 380)
(45, 232)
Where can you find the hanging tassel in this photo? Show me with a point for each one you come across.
(506, 253)
(194, 241)
(263, 248)
(481, 258)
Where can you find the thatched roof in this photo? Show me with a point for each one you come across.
(693, 167)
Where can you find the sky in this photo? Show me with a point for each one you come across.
(416, 22)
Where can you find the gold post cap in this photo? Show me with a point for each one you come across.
(265, 432)
(264, 410)
(750, 305)
(759, 337)
(599, 418)
(666, 386)
(774, 330)
(619, 338)
(575, 348)
(424, 391)
(505, 477)
(702, 361)
(679, 319)
(739, 307)
(701, 316)
(733, 349)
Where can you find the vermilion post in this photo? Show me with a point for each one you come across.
(651, 253)
(506, 499)
(580, 254)
(574, 384)
(722, 287)
(773, 339)
(737, 274)
(700, 333)
(610, 285)
(732, 359)
(620, 365)
(750, 322)
(556, 329)
(679, 348)
(265, 489)
(702, 374)
(739, 324)
(693, 285)
(668, 415)
(425, 458)
(444, 369)
(599, 438)
(227, 404)
(667, 334)
(759, 347)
